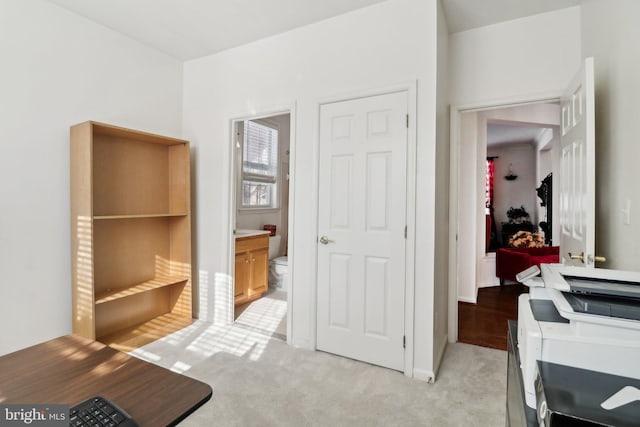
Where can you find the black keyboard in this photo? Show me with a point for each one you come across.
(99, 412)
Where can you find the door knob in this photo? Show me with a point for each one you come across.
(325, 240)
(597, 258)
(590, 258)
(579, 257)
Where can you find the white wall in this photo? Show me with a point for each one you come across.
(384, 45)
(532, 56)
(610, 34)
(545, 142)
(468, 202)
(58, 70)
(441, 281)
(519, 192)
(486, 276)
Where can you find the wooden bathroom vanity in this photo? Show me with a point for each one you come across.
(251, 266)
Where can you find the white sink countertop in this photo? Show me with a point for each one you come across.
(250, 233)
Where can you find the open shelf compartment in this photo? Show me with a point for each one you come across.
(144, 333)
(149, 285)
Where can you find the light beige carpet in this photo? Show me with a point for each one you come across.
(261, 381)
(267, 315)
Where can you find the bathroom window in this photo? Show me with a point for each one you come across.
(259, 166)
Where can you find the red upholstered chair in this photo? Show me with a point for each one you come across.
(511, 261)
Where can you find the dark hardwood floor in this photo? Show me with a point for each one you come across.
(485, 323)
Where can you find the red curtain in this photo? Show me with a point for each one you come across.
(489, 185)
(491, 231)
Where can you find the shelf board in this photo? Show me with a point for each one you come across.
(149, 285)
(144, 333)
(162, 215)
(133, 135)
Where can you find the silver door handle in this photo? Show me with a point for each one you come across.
(325, 240)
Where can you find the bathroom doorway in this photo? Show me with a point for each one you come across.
(261, 288)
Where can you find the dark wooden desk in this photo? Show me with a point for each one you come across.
(70, 369)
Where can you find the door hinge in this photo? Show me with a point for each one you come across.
(405, 231)
(404, 341)
(407, 121)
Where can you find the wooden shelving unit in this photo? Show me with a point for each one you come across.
(131, 234)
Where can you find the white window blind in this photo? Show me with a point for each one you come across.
(259, 166)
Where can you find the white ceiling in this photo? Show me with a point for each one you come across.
(467, 14)
(189, 29)
(504, 134)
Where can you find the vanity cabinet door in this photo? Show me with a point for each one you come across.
(242, 277)
(259, 271)
(252, 268)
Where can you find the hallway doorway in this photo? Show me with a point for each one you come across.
(522, 140)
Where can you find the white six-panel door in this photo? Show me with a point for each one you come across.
(577, 170)
(361, 229)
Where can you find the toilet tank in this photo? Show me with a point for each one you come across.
(274, 246)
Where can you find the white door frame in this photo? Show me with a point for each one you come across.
(411, 89)
(454, 166)
(233, 187)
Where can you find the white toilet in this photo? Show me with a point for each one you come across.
(278, 265)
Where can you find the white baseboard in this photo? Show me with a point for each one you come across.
(495, 282)
(465, 299)
(423, 375)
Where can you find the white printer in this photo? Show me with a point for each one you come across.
(584, 318)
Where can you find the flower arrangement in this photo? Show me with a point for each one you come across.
(526, 239)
